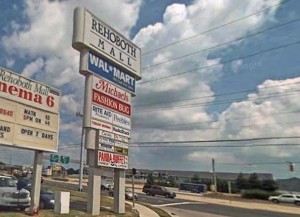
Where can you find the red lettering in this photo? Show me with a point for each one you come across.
(50, 101)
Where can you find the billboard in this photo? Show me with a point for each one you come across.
(89, 31)
(29, 113)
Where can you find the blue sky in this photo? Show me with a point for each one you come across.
(256, 95)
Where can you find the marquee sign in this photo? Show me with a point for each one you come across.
(29, 113)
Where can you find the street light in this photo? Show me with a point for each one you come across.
(78, 114)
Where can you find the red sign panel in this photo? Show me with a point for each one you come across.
(111, 103)
(114, 160)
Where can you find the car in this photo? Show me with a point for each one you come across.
(158, 190)
(106, 185)
(10, 196)
(286, 198)
(46, 198)
(128, 194)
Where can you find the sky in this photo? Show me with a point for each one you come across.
(211, 70)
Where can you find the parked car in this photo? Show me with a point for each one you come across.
(46, 198)
(10, 196)
(128, 194)
(158, 190)
(286, 198)
(106, 184)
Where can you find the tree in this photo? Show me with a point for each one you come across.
(71, 171)
(150, 179)
(171, 181)
(254, 182)
(241, 182)
(195, 179)
(269, 185)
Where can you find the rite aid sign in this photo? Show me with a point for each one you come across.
(91, 32)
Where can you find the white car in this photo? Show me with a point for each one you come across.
(286, 198)
(10, 196)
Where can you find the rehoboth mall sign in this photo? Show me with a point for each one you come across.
(114, 64)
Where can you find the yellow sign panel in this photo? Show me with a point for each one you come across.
(6, 133)
(43, 140)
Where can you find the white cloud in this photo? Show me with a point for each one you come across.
(33, 67)
(10, 62)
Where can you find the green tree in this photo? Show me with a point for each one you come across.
(150, 179)
(195, 179)
(269, 185)
(254, 182)
(171, 181)
(241, 182)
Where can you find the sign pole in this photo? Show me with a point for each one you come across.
(36, 181)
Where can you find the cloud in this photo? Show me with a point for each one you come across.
(33, 67)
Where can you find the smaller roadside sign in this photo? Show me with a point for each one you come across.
(64, 159)
(54, 158)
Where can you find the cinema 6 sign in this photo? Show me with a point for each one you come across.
(28, 113)
(91, 32)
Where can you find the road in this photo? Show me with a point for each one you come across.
(187, 208)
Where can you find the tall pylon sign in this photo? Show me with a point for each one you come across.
(111, 65)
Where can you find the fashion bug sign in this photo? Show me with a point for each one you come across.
(113, 160)
(90, 31)
(29, 113)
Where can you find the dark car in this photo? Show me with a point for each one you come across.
(46, 198)
(158, 190)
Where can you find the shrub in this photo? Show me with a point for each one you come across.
(257, 194)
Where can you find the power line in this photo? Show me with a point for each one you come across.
(224, 62)
(215, 28)
(253, 163)
(216, 95)
(221, 102)
(226, 43)
(213, 128)
(216, 146)
(219, 140)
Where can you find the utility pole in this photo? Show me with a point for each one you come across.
(78, 114)
(214, 174)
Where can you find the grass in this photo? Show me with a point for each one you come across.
(159, 211)
(77, 207)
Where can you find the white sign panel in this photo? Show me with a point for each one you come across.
(109, 89)
(121, 144)
(121, 138)
(89, 31)
(106, 141)
(106, 147)
(106, 134)
(100, 125)
(113, 160)
(121, 121)
(121, 131)
(101, 114)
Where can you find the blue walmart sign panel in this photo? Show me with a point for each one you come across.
(108, 70)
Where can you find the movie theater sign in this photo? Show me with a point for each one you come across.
(29, 113)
